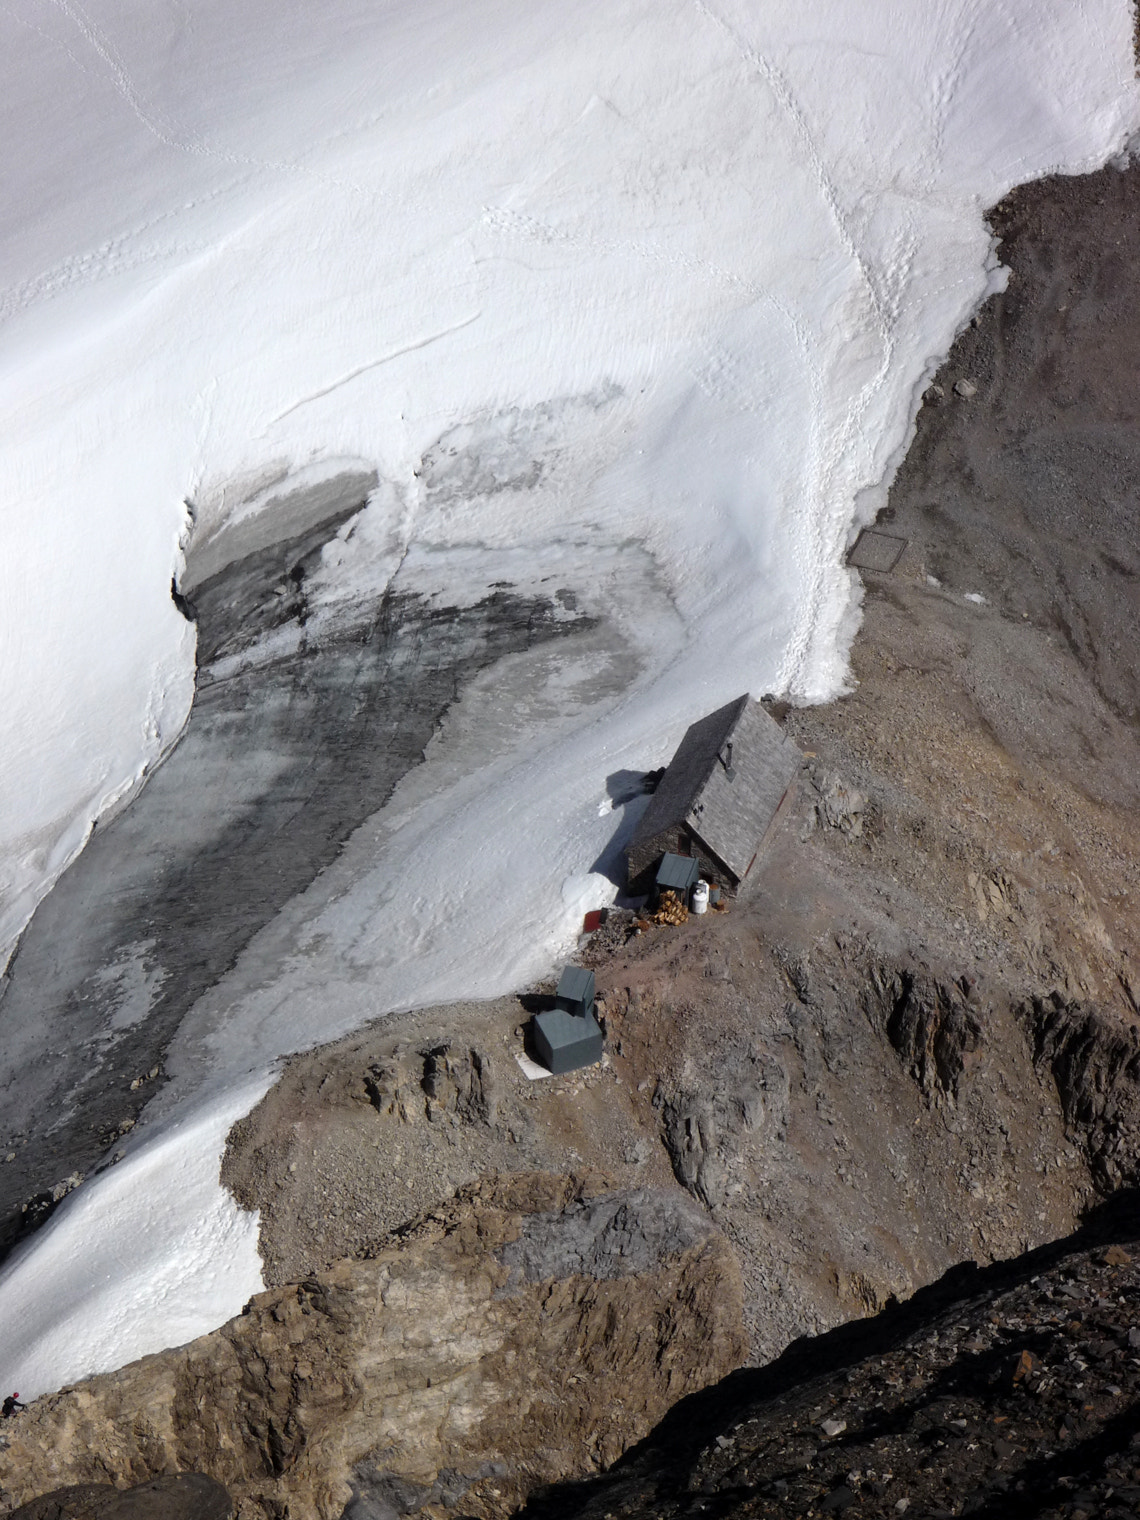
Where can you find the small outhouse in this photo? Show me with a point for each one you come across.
(575, 991)
(568, 1035)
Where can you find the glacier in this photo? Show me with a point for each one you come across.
(639, 296)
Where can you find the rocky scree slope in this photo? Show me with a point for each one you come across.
(1006, 1393)
(529, 1329)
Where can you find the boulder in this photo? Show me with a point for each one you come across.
(181, 1496)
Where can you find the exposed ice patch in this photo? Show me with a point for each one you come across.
(276, 504)
(131, 983)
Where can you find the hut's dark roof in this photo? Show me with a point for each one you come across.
(729, 815)
(688, 771)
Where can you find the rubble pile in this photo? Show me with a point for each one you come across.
(612, 935)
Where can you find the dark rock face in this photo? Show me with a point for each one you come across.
(382, 1495)
(927, 1022)
(182, 1496)
(614, 1236)
(1095, 1063)
(282, 758)
(1005, 1392)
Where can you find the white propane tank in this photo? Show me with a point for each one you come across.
(701, 897)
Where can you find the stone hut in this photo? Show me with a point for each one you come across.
(717, 797)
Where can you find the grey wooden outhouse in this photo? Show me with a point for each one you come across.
(568, 1035)
(575, 991)
(717, 798)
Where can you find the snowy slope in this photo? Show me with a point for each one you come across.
(644, 291)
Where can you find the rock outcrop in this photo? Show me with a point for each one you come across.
(1095, 1062)
(1002, 1393)
(928, 1023)
(531, 1329)
(182, 1496)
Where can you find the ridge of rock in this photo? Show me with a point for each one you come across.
(532, 1327)
(1004, 1393)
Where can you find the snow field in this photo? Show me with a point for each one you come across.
(642, 294)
